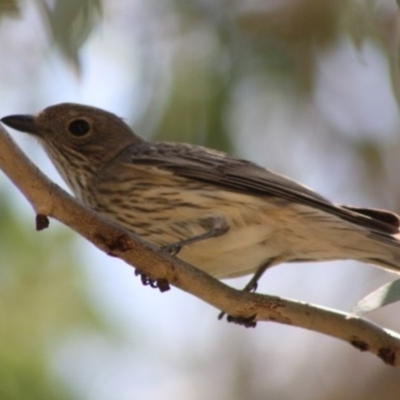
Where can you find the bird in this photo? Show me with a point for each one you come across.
(224, 215)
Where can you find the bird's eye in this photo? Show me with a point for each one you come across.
(79, 127)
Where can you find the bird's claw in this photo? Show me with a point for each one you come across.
(161, 284)
(247, 322)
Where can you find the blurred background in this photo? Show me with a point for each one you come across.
(307, 88)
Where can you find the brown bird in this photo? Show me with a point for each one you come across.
(226, 216)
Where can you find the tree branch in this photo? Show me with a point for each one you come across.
(48, 199)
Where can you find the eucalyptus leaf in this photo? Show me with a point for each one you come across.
(383, 296)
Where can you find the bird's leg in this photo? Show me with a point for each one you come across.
(253, 282)
(250, 287)
(215, 226)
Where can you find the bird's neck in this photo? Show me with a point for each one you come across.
(76, 171)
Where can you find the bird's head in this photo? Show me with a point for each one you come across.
(79, 139)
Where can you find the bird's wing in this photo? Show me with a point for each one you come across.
(222, 170)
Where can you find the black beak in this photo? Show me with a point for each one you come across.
(23, 123)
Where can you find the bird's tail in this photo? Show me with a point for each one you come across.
(383, 242)
(389, 257)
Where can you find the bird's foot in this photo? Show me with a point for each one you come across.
(161, 284)
(247, 322)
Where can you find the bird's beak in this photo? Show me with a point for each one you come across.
(23, 123)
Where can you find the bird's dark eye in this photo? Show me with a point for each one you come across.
(79, 127)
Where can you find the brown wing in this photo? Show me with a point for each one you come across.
(224, 171)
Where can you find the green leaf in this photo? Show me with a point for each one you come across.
(71, 23)
(383, 296)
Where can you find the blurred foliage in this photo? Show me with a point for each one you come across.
(70, 23)
(293, 33)
(195, 108)
(42, 300)
(278, 43)
(9, 7)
